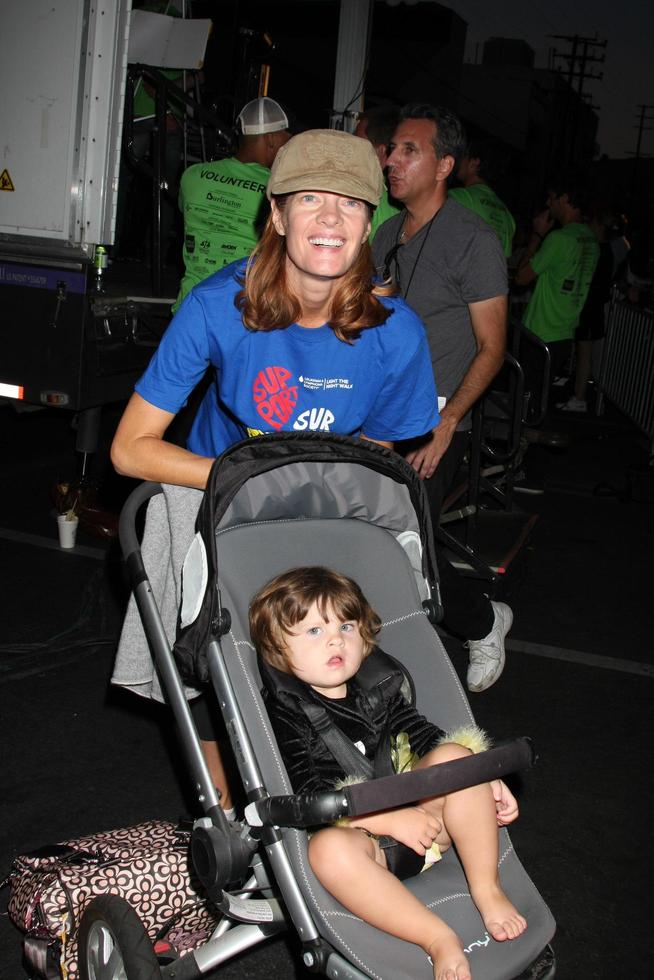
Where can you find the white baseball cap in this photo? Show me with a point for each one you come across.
(262, 116)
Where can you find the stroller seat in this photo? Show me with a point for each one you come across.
(252, 554)
(353, 510)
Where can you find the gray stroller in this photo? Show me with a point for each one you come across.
(273, 503)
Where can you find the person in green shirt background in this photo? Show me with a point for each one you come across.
(562, 262)
(478, 166)
(221, 200)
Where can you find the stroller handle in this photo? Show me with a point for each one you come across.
(390, 792)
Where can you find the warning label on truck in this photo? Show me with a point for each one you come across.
(6, 183)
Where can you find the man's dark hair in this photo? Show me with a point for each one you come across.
(450, 140)
(381, 123)
(575, 184)
(492, 158)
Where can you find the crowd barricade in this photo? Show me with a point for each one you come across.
(626, 375)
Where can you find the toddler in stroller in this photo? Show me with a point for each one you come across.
(362, 511)
(315, 625)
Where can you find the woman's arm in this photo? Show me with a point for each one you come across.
(139, 449)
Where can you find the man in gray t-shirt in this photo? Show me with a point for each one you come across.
(450, 267)
(447, 266)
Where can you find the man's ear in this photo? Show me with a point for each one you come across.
(445, 166)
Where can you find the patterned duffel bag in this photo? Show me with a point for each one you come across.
(147, 865)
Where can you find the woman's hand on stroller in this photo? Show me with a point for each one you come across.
(505, 803)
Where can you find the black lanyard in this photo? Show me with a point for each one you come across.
(392, 255)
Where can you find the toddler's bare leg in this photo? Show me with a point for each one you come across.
(352, 867)
(469, 820)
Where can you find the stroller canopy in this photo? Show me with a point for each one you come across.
(299, 477)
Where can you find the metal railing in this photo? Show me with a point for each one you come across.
(626, 375)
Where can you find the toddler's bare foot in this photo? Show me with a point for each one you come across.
(501, 917)
(448, 957)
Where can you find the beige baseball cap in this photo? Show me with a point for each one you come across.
(328, 160)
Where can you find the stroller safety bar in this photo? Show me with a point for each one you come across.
(304, 810)
(389, 792)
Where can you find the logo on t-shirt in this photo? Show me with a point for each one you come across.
(315, 419)
(273, 396)
(276, 396)
(326, 384)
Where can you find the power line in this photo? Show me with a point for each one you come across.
(579, 56)
(580, 53)
(642, 128)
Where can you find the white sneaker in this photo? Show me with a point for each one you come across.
(487, 656)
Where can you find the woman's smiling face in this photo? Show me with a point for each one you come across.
(324, 233)
(325, 651)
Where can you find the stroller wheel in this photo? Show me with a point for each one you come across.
(113, 944)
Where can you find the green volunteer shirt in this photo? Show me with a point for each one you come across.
(221, 203)
(481, 199)
(382, 213)
(564, 264)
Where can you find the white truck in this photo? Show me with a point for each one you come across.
(71, 335)
(62, 74)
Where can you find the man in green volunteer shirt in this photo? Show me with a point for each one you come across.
(377, 125)
(477, 167)
(221, 200)
(562, 262)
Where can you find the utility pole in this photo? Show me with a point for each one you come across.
(641, 127)
(578, 58)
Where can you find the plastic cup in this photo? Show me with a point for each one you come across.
(67, 531)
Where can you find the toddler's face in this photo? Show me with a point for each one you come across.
(325, 651)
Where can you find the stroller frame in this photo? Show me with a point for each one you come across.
(220, 849)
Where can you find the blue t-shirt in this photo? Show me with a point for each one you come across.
(292, 379)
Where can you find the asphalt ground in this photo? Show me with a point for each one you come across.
(79, 756)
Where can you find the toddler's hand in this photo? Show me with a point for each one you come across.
(505, 803)
(416, 828)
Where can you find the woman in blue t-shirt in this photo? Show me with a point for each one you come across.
(300, 338)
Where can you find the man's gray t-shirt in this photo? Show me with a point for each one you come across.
(455, 260)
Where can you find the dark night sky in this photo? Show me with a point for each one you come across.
(627, 25)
